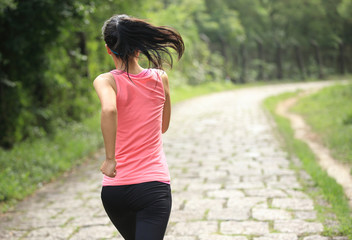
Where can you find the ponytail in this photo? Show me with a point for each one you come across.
(125, 35)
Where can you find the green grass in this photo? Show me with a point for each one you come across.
(326, 186)
(31, 163)
(185, 92)
(329, 112)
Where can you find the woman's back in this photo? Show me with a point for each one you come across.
(136, 191)
(138, 148)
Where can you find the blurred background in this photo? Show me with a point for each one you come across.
(52, 50)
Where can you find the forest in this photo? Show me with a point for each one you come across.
(52, 50)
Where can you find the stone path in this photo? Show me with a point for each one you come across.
(230, 180)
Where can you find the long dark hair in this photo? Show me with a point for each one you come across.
(125, 35)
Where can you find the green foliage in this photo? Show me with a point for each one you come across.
(345, 9)
(316, 27)
(51, 55)
(327, 186)
(4, 4)
(27, 36)
(31, 163)
(198, 63)
(329, 112)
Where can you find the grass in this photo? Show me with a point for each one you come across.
(329, 112)
(326, 186)
(31, 163)
(185, 92)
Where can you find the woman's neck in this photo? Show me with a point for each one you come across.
(133, 66)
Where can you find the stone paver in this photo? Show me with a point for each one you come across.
(277, 236)
(316, 237)
(230, 180)
(270, 214)
(298, 226)
(194, 228)
(244, 227)
(221, 237)
(293, 203)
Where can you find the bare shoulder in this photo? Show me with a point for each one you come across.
(103, 79)
(163, 76)
(161, 72)
(165, 80)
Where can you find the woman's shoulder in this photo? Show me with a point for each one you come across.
(107, 75)
(104, 77)
(160, 73)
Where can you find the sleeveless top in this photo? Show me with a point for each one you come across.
(138, 150)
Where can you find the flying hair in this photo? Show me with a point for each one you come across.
(126, 35)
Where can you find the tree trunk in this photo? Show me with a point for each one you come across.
(236, 63)
(318, 59)
(278, 61)
(299, 61)
(260, 75)
(225, 49)
(341, 59)
(243, 64)
(82, 44)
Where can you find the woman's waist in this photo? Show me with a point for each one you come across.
(139, 160)
(138, 149)
(140, 169)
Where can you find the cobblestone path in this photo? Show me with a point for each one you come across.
(230, 180)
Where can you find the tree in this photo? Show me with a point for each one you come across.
(26, 35)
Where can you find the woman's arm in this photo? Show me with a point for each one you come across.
(107, 96)
(167, 104)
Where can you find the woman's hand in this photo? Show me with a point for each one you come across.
(108, 167)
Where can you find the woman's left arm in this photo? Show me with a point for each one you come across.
(167, 104)
(107, 96)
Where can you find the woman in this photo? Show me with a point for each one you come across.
(135, 112)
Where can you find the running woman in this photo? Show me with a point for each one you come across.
(136, 110)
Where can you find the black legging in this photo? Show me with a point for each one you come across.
(138, 211)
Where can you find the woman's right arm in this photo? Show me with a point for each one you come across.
(167, 103)
(107, 96)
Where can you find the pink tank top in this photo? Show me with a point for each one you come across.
(139, 151)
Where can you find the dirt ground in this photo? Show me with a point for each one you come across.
(339, 171)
